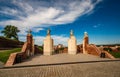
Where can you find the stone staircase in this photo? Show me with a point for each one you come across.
(11, 59)
(92, 49)
(109, 55)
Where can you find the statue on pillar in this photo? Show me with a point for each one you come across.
(85, 34)
(48, 47)
(29, 31)
(72, 44)
(48, 32)
(71, 33)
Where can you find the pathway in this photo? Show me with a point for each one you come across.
(60, 58)
(97, 69)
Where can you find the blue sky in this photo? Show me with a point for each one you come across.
(100, 18)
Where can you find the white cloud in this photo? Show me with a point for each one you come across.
(57, 39)
(37, 29)
(60, 39)
(39, 40)
(39, 14)
(9, 11)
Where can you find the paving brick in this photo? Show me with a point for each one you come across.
(60, 58)
(99, 69)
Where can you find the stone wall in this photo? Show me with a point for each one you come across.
(28, 50)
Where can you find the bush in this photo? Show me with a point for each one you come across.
(59, 50)
(4, 55)
(107, 49)
(41, 48)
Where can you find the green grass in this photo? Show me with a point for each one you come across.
(115, 54)
(40, 47)
(4, 55)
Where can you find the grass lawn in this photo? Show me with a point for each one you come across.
(4, 55)
(115, 54)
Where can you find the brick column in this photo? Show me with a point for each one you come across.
(85, 43)
(29, 44)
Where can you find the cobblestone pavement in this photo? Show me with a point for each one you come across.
(60, 58)
(1, 64)
(97, 69)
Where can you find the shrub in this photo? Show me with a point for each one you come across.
(41, 48)
(108, 49)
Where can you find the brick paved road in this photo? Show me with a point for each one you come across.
(99, 69)
(60, 58)
(1, 64)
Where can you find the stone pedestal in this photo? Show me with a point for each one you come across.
(72, 45)
(30, 44)
(85, 43)
(48, 45)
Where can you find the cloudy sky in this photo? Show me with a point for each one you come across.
(100, 18)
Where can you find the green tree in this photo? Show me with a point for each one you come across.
(10, 32)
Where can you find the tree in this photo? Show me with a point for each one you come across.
(10, 32)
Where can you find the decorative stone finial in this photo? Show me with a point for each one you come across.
(85, 33)
(48, 32)
(71, 33)
(29, 31)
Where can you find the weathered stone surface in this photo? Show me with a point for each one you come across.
(48, 44)
(60, 58)
(100, 69)
(72, 45)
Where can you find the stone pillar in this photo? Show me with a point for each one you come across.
(29, 50)
(85, 43)
(48, 44)
(72, 45)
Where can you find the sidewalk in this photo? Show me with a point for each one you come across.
(60, 58)
(99, 69)
(1, 64)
